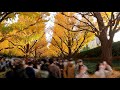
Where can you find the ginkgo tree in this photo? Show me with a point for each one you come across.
(39, 48)
(3, 29)
(25, 33)
(4, 16)
(31, 32)
(49, 52)
(103, 24)
(67, 42)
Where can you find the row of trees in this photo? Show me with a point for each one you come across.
(72, 32)
(103, 25)
(67, 42)
(25, 37)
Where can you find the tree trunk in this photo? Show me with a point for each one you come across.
(26, 58)
(106, 48)
(35, 54)
(69, 53)
(69, 46)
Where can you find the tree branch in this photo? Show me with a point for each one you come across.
(59, 47)
(6, 48)
(81, 43)
(22, 50)
(89, 25)
(5, 15)
(15, 44)
(30, 25)
(60, 38)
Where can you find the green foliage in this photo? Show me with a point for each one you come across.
(86, 48)
(116, 65)
(92, 65)
(6, 29)
(96, 52)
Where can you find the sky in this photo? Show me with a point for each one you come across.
(117, 37)
(49, 27)
(10, 21)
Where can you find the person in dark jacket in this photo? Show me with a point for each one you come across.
(17, 72)
(30, 71)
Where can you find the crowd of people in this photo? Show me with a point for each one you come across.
(4, 64)
(52, 68)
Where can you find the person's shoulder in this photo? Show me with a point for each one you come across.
(41, 71)
(50, 66)
(28, 68)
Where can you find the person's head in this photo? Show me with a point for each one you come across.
(80, 61)
(3, 59)
(47, 62)
(35, 65)
(20, 66)
(66, 60)
(23, 62)
(71, 59)
(82, 68)
(60, 61)
(44, 61)
(30, 64)
(98, 66)
(59, 58)
(55, 61)
(104, 62)
(50, 60)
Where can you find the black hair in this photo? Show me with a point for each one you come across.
(80, 66)
(19, 66)
(44, 60)
(29, 63)
(50, 60)
(97, 66)
(35, 66)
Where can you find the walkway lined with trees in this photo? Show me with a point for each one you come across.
(26, 34)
